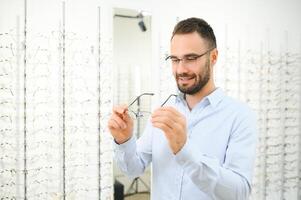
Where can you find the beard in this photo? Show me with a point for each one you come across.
(200, 80)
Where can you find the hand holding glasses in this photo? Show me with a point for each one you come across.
(120, 123)
(140, 113)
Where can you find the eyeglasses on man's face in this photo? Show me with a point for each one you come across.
(187, 60)
(140, 113)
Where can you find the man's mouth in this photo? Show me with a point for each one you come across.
(185, 79)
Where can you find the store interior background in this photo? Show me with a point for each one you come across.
(76, 59)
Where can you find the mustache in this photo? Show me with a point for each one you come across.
(185, 75)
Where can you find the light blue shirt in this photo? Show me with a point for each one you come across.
(216, 162)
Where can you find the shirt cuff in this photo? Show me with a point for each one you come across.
(127, 147)
(186, 154)
(188, 157)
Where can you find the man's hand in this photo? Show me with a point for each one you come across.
(173, 124)
(120, 124)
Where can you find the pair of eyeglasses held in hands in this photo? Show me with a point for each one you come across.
(137, 99)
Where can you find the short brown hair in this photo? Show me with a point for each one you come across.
(198, 25)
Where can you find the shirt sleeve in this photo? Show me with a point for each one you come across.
(134, 156)
(232, 179)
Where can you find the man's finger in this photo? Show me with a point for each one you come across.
(166, 129)
(164, 119)
(172, 110)
(120, 121)
(167, 114)
(112, 124)
(120, 109)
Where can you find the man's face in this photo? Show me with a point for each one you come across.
(191, 74)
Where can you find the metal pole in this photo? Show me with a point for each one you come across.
(99, 106)
(17, 98)
(24, 101)
(64, 103)
(138, 120)
(299, 145)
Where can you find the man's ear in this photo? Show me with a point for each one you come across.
(214, 56)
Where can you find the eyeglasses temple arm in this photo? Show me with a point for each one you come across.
(150, 94)
(168, 99)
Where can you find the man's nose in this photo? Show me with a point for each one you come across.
(182, 67)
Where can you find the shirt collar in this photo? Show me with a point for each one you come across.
(180, 96)
(214, 97)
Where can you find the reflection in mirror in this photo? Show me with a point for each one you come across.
(132, 65)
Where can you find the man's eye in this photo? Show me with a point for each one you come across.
(175, 59)
(191, 58)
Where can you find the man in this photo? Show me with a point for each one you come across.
(202, 145)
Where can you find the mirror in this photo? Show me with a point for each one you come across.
(132, 54)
